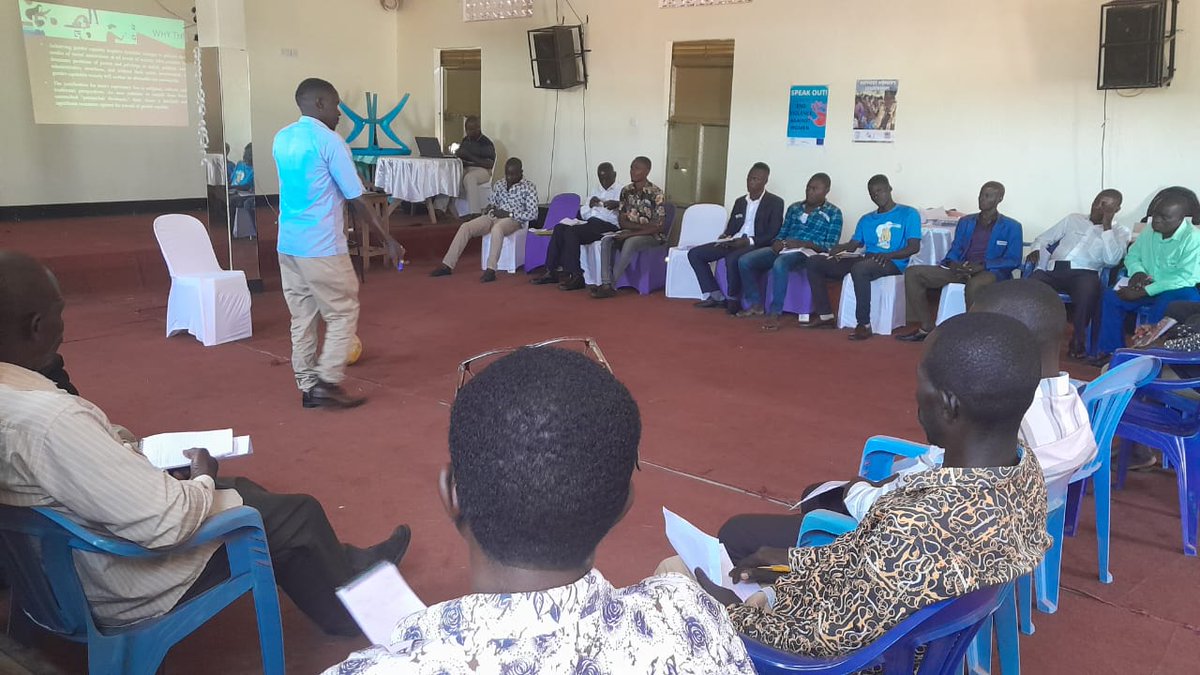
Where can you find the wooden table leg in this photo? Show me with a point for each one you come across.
(432, 212)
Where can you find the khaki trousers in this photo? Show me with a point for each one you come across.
(324, 287)
(921, 278)
(474, 178)
(496, 228)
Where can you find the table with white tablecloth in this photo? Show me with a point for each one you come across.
(935, 244)
(420, 179)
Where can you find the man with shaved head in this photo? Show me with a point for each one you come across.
(317, 179)
(986, 248)
(1070, 255)
(60, 451)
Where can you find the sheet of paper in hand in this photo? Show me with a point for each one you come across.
(698, 549)
(378, 600)
(165, 451)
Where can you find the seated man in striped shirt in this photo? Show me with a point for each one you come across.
(60, 451)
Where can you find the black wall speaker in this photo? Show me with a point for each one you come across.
(555, 57)
(1136, 44)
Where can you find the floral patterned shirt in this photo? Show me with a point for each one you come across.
(645, 205)
(941, 534)
(665, 624)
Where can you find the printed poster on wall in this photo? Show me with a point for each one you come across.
(875, 111)
(807, 113)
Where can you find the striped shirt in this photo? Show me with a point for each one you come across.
(60, 451)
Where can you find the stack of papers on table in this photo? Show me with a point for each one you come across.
(165, 451)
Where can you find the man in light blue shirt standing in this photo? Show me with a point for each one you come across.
(317, 180)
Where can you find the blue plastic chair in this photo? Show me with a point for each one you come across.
(1106, 400)
(1160, 418)
(36, 547)
(881, 454)
(944, 630)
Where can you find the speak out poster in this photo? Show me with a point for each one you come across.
(875, 104)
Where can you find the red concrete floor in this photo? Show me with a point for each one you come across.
(722, 403)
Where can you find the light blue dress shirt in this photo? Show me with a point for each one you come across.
(316, 177)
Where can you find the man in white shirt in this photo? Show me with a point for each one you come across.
(599, 215)
(1083, 245)
(1055, 427)
(60, 451)
(533, 486)
(753, 224)
(317, 179)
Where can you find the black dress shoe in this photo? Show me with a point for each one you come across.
(573, 283)
(732, 306)
(604, 291)
(488, 276)
(390, 550)
(325, 395)
(545, 280)
(913, 336)
(441, 271)
(709, 303)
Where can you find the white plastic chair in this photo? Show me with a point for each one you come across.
(887, 304)
(210, 303)
(702, 223)
(512, 251)
(953, 302)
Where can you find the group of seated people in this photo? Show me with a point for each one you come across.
(533, 486)
(762, 237)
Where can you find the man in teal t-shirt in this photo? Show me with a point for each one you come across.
(889, 236)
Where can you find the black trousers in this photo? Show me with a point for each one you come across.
(746, 533)
(862, 272)
(1180, 310)
(702, 256)
(309, 561)
(1085, 290)
(566, 240)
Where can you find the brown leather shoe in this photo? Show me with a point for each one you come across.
(756, 310)
(325, 395)
(604, 291)
(861, 333)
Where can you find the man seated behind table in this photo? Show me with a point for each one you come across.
(754, 223)
(1056, 428)
(1164, 267)
(642, 225)
(60, 451)
(513, 205)
(814, 223)
(976, 521)
(533, 486)
(478, 155)
(890, 235)
(1084, 245)
(599, 215)
(986, 248)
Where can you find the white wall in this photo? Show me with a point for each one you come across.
(989, 89)
(353, 45)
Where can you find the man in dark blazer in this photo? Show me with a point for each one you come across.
(754, 223)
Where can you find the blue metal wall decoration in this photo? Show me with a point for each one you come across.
(375, 123)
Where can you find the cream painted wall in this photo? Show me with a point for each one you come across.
(354, 46)
(989, 89)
